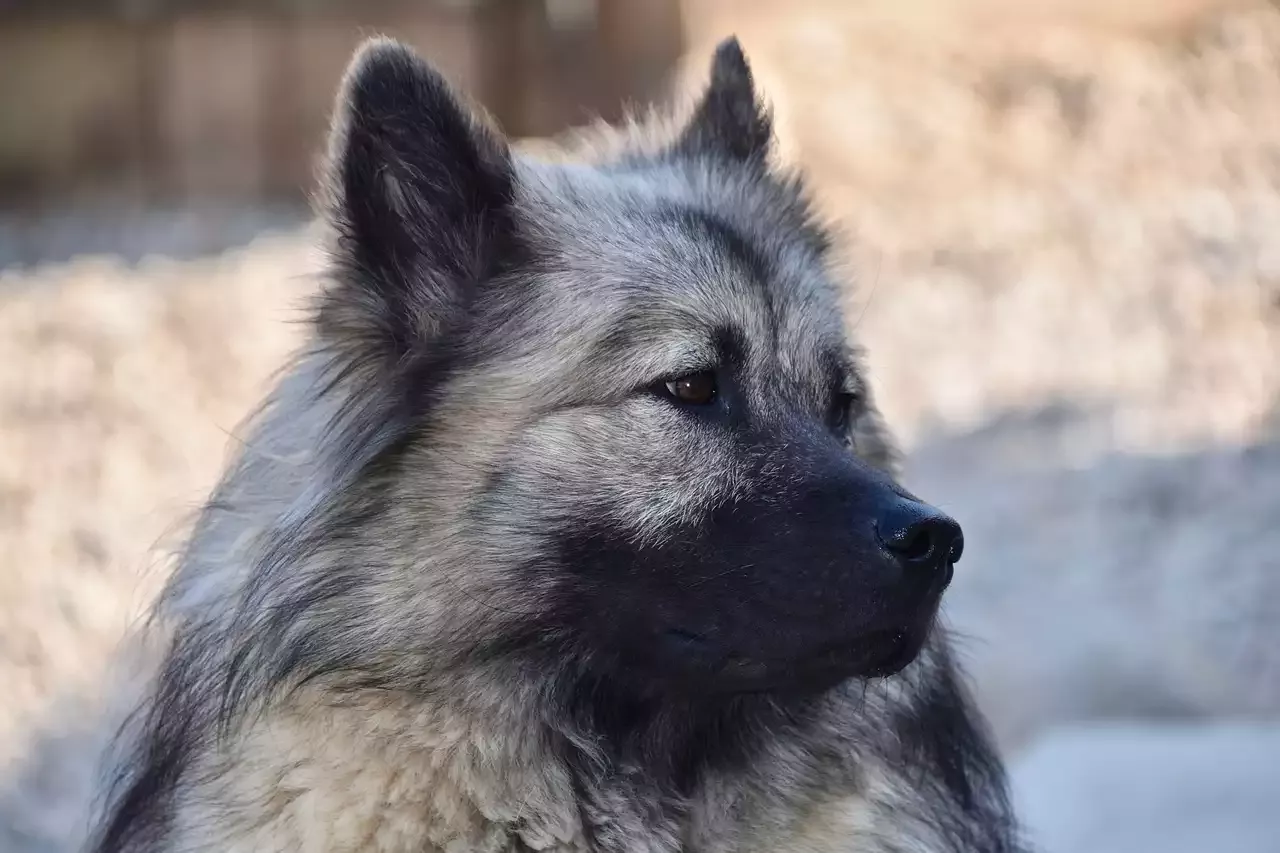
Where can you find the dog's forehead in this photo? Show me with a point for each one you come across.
(680, 244)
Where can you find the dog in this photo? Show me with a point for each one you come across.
(574, 526)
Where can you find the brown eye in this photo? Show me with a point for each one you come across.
(696, 389)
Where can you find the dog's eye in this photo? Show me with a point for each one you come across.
(696, 389)
(842, 411)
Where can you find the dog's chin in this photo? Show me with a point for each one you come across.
(891, 652)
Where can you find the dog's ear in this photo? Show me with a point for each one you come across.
(419, 192)
(729, 121)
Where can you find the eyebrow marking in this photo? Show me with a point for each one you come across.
(722, 235)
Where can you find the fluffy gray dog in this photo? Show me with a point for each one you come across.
(574, 528)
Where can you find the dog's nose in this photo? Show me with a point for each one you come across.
(920, 536)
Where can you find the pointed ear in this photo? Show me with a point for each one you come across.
(419, 193)
(729, 121)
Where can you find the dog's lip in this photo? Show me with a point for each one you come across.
(692, 643)
(873, 652)
(868, 650)
(686, 637)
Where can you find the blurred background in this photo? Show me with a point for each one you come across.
(1066, 237)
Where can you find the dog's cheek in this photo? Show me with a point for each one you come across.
(643, 468)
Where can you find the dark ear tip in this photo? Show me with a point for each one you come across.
(380, 53)
(382, 68)
(729, 62)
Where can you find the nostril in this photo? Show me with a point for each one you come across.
(920, 535)
(917, 545)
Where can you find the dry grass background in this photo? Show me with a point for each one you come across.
(1068, 282)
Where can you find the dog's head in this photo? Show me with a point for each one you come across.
(611, 411)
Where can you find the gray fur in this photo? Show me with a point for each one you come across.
(338, 673)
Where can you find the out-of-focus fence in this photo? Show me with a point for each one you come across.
(137, 102)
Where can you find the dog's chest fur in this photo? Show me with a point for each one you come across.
(315, 777)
